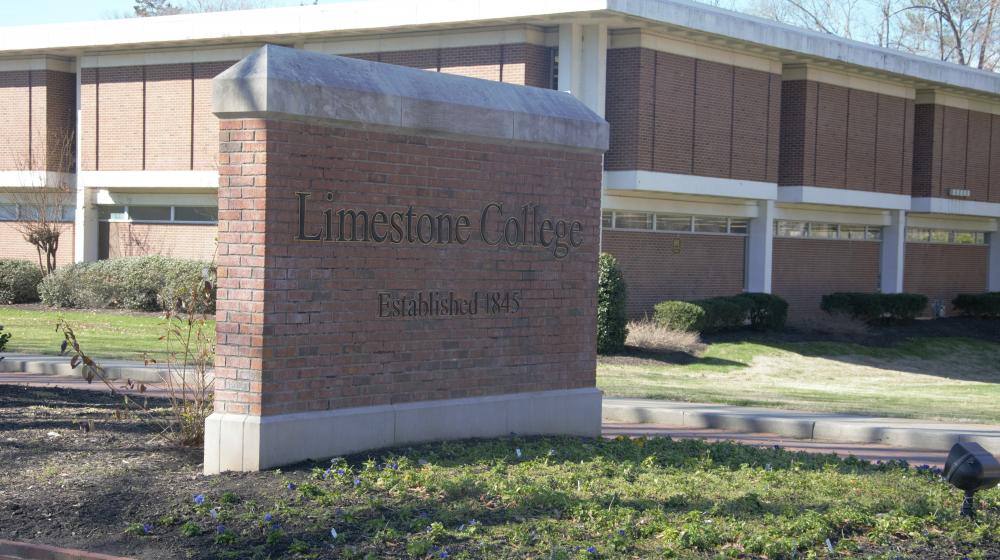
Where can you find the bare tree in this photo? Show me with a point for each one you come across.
(153, 8)
(960, 31)
(44, 191)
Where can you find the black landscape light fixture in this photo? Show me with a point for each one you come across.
(971, 468)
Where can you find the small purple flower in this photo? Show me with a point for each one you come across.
(423, 514)
(220, 529)
(592, 549)
(394, 466)
(621, 532)
(341, 472)
(147, 528)
(291, 486)
(267, 517)
(444, 554)
(357, 482)
(199, 499)
(275, 526)
(326, 473)
(435, 548)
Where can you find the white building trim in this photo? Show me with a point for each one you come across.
(633, 38)
(956, 223)
(931, 205)
(832, 215)
(150, 179)
(843, 197)
(117, 198)
(697, 206)
(430, 40)
(57, 64)
(170, 56)
(655, 182)
(37, 179)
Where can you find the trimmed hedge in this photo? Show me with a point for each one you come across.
(611, 317)
(874, 308)
(19, 281)
(759, 311)
(979, 305)
(140, 283)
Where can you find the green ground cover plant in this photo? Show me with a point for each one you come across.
(514, 497)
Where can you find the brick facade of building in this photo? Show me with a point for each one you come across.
(956, 149)
(806, 269)
(660, 266)
(941, 271)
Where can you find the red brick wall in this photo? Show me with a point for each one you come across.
(956, 148)
(521, 63)
(155, 117)
(842, 138)
(297, 320)
(675, 114)
(661, 266)
(37, 120)
(15, 247)
(807, 269)
(941, 271)
(185, 241)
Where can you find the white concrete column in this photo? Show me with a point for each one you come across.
(760, 249)
(893, 253)
(570, 52)
(85, 225)
(994, 262)
(583, 63)
(594, 63)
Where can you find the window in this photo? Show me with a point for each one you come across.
(704, 224)
(823, 230)
(929, 235)
(678, 223)
(208, 214)
(112, 213)
(784, 228)
(149, 213)
(739, 225)
(8, 212)
(633, 220)
(671, 222)
(68, 213)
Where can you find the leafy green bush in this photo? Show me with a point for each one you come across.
(4, 337)
(611, 317)
(874, 308)
(19, 281)
(725, 312)
(767, 311)
(761, 311)
(148, 283)
(979, 305)
(679, 316)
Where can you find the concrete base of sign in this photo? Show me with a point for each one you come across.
(239, 442)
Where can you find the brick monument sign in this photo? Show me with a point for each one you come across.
(404, 256)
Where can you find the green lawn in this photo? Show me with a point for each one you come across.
(103, 334)
(934, 377)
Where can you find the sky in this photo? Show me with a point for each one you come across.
(30, 12)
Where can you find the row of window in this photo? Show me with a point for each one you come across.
(620, 219)
(820, 230)
(926, 235)
(159, 214)
(28, 213)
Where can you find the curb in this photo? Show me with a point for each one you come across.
(801, 425)
(117, 370)
(11, 550)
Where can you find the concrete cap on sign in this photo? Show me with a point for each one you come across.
(285, 83)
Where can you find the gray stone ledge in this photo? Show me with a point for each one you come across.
(285, 83)
(240, 442)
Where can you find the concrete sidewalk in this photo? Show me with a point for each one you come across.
(822, 426)
(117, 370)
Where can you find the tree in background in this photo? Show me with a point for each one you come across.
(153, 8)
(45, 190)
(960, 31)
